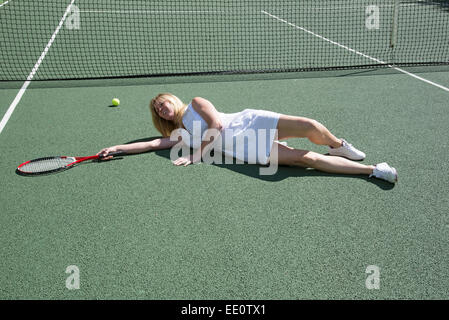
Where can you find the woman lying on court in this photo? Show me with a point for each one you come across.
(169, 113)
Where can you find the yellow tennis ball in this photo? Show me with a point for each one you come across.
(115, 102)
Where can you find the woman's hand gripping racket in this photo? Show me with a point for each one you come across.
(59, 163)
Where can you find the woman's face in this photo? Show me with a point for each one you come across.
(165, 109)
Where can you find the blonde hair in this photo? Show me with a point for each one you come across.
(165, 127)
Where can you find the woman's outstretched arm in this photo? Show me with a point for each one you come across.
(139, 147)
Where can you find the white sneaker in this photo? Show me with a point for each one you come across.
(348, 151)
(385, 172)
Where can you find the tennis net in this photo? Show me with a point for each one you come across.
(90, 39)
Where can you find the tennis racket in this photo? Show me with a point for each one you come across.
(55, 164)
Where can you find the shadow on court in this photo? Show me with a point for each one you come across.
(250, 170)
(283, 172)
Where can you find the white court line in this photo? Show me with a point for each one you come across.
(1, 5)
(422, 79)
(13, 105)
(356, 52)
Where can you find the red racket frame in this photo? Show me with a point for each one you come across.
(77, 160)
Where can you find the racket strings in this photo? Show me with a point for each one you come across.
(46, 164)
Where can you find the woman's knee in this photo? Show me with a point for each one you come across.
(305, 158)
(310, 158)
(316, 125)
(310, 126)
(294, 157)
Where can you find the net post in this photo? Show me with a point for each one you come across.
(394, 29)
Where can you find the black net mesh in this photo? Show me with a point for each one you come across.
(80, 39)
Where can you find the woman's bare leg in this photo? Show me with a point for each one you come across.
(300, 127)
(309, 159)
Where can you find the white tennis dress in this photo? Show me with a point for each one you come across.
(247, 135)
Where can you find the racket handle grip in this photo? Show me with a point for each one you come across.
(114, 154)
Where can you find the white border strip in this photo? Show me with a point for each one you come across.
(16, 101)
(334, 8)
(150, 12)
(4, 3)
(355, 51)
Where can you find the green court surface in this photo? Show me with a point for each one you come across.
(138, 227)
(141, 228)
(7, 98)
